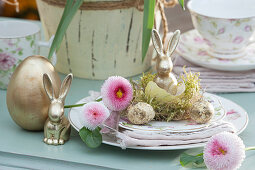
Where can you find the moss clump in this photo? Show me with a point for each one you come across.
(168, 107)
(145, 79)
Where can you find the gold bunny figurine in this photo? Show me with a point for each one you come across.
(57, 127)
(165, 79)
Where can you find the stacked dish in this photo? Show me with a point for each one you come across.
(194, 48)
(174, 134)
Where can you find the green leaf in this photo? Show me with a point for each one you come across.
(238, 23)
(28, 38)
(32, 43)
(70, 10)
(218, 108)
(148, 22)
(214, 24)
(20, 53)
(13, 68)
(196, 161)
(181, 2)
(92, 138)
(57, 36)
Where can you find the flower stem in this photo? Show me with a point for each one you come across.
(79, 105)
(250, 148)
(200, 154)
(75, 105)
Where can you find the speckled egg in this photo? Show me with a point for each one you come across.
(202, 111)
(140, 113)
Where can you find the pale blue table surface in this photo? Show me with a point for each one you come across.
(24, 149)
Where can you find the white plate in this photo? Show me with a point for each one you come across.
(193, 48)
(179, 126)
(235, 114)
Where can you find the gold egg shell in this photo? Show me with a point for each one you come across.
(26, 99)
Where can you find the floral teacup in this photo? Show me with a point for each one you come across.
(18, 40)
(226, 25)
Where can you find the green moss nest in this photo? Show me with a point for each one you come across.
(178, 107)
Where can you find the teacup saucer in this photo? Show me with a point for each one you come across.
(193, 48)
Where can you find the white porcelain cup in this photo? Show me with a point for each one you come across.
(226, 25)
(18, 40)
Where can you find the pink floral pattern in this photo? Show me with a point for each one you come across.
(199, 40)
(184, 38)
(209, 43)
(193, 51)
(247, 28)
(190, 122)
(202, 53)
(224, 59)
(6, 61)
(12, 53)
(232, 20)
(224, 35)
(181, 49)
(238, 40)
(221, 31)
(232, 115)
(232, 111)
(9, 42)
(19, 49)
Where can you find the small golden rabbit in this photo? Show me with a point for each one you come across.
(57, 127)
(165, 79)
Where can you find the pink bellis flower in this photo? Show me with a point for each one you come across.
(117, 93)
(93, 115)
(224, 151)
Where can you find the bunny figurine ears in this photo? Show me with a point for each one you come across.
(65, 86)
(172, 44)
(57, 127)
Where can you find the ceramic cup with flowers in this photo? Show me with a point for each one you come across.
(18, 40)
(226, 25)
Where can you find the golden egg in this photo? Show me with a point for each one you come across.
(26, 99)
